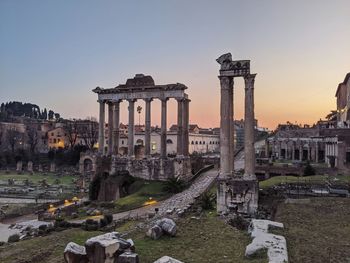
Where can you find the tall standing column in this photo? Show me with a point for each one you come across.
(180, 139)
(232, 126)
(131, 128)
(300, 151)
(110, 128)
(116, 123)
(249, 123)
(293, 151)
(225, 127)
(163, 150)
(316, 152)
(148, 128)
(185, 126)
(101, 126)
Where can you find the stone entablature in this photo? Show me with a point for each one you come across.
(231, 196)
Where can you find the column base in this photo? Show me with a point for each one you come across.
(237, 195)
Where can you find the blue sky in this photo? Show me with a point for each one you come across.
(54, 53)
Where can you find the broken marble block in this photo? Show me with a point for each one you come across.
(155, 232)
(276, 245)
(167, 259)
(128, 257)
(73, 253)
(167, 225)
(105, 248)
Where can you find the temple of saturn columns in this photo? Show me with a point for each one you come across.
(143, 87)
(236, 193)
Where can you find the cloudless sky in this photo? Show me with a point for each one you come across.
(53, 53)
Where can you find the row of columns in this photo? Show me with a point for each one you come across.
(114, 122)
(312, 152)
(227, 126)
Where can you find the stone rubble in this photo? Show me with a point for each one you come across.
(167, 259)
(163, 226)
(75, 253)
(276, 245)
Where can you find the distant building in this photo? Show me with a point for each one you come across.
(343, 102)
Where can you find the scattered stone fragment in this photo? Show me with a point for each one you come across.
(155, 232)
(73, 253)
(167, 225)
(167, 259)
(276, 245)
(128, 257)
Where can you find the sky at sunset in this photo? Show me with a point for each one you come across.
(53, 53)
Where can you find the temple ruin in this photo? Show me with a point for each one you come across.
(149, 167)
(236, 193)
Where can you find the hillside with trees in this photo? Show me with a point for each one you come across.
(10, 110)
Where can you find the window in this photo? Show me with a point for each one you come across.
(52, 134)
(169, 141)
(58, 140)
(123, 142)
(203, 142)
(54, 140)
(192, 142)
(196, 142)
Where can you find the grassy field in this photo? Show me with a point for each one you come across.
(198, 240)
(305, 179)
(317, 232)
(37, 177)
(145, 191)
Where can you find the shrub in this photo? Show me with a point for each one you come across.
(309, 170)
(13, 238)
(109, 218)
(207, 201)
(94, 188)
(238, 222)
(174, 185)
(103, 222)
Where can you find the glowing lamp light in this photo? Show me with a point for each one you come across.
(150, 201)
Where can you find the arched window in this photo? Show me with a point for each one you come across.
(139, 142)
(192, 142)
(196, 142)
(169, 141)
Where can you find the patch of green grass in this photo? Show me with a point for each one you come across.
(304, 179)
(154, 190)
(37, 177)
(44, 249)
(318, 231)
(207, 239)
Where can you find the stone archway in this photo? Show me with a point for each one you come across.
(87, 164)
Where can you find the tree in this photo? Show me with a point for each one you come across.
(13, 137)
(332, 116)
(57, 116)
(44, 114)
(88, 131)
(72, 132)
(51, 115)
(32, 138)
(309, 170)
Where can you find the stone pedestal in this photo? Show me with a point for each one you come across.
(237, 195)
(30, 167)
(19, 167)
(52, 167)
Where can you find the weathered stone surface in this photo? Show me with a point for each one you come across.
(74, 253)
(167, 225)
(128, 257)
(155, 232)
(167, 259)
(105, 248)
(276, 245)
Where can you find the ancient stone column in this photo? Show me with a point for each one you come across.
(316, 151)
(110, 128)
(185, 127)
(163, 148)
(232, 126)
(180, 106)
(116, 123)
(225, 127)
(148, 128)
(249, 123)
(131, 128)
(293, 151)
(101, 126)
(300, 152)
